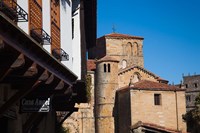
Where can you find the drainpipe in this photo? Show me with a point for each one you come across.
(177, 124)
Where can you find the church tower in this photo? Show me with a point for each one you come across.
(126, 48)
(106, 86)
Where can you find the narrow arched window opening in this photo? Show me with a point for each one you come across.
(104, 66)
(108, 67)
(124, 64)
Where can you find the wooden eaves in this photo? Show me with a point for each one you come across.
(33, 65)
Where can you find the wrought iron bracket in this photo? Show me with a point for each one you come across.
(13, 11)
(60, 54)
(41, 36)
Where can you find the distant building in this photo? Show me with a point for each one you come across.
(192, 85)
(125, 94)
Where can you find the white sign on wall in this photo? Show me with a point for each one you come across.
(35, 105)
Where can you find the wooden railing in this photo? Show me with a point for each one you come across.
(41, 36)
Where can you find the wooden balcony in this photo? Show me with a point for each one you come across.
(41, 36)
(60, 54)
(13, 11)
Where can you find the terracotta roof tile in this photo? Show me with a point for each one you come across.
(154, 126)
(121, 71)
(91, 65)
(146, 84)
(117, 35)
(134, 66)
(107, 58)
(150, 85)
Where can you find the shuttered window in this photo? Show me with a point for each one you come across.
(55, 25)
(12, 14)
(35, 14)
(9, 3)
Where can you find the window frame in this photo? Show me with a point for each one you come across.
(157, 99)
(104, 68)
(109, 67)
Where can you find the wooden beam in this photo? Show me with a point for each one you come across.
(60, 85)
(16, 97)
(44, 76)
(25, 89)
(16, 78)
(41, 91)
(22, 42)
(19, 62)
(32, 71)
(46, 88)
(67, 115)
(23, 69)
(7, 57)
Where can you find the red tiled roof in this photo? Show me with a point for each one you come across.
(155, 127)
(121, 71)
(150, 85)
(91, 65)
(141, 68)
(146, 84)
(117, 35)
(108, 58)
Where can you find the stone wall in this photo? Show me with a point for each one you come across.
(105, 88)
(192, 86)
(99, 50)
(83, 121)
(129, 50)
(123, 112)
(168, 114)
(125, 76)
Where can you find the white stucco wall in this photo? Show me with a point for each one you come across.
(65, 30)
(76, 42)
(71, 46)
(46, 21)
(24, 5)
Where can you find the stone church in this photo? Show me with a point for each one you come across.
(125, 97)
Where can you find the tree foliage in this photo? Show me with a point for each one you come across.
(193, 117)
(88, 86)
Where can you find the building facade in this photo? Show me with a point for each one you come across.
(150, 102)
(192, 85)
(43, 46)
(117, 64)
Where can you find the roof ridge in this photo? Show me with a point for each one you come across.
(136, 66)
(119, 35)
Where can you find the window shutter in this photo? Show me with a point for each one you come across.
(55, 25)
(35, 14)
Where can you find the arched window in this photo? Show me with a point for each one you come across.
(140, 47)
(104, 67)
(136, 77)
(135, 49)
(124, 64)
(108, 67)
(128, 50)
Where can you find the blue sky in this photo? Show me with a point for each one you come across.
(171, 31)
